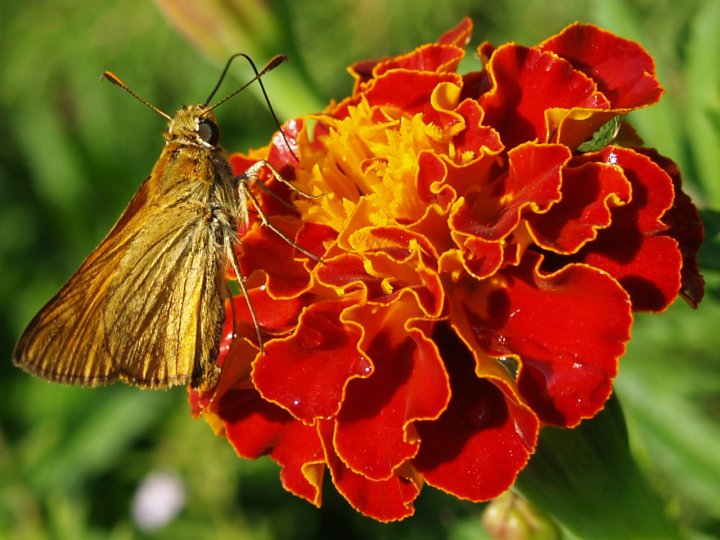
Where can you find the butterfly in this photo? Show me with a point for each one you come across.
(147, 305)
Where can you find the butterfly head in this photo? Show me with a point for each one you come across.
(194, 125)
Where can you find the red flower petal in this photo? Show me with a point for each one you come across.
(273, 314)
(458, 36)
(375, 436)
(684, 225)
(476, 138)
(525, 84)
(434, 57)
(482, 440)
(283, 153)
(442, 56)
(533, 180)
(314, 237)
(648, 268)
(432, 172)
(622, 69)
(410, 259)
(484, 217)
(347, 272)
(417, 87)
(566, 329)
(263, 250)
(255, 428)
(635, 249)
(384, 500)
(588, 193)
(307, 372)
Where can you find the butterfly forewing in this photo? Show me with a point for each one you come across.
(66, 341)
(146, 307)
(167, 297)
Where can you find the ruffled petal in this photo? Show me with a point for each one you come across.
(685, 227)
(589, 192)
(485, 436)
(307, 372)
(622, 69)
(374, 437)
(255, 428)
(566, 331)
(526, 83)
(637, 249)
(487, 214)
(384, 500)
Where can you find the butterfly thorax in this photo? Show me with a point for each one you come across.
(197, 164)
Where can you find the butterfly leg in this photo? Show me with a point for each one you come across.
(232, 257)
(251, 174)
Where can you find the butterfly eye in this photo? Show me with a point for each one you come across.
(209, 132)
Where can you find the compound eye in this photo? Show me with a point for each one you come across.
(209, 132)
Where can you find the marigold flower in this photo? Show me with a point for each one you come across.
(478, 273)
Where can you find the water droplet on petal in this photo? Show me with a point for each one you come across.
(523, 438)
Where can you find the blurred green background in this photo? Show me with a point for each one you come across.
(73, 151)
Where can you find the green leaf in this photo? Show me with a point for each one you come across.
(587, 480)
(602, 137)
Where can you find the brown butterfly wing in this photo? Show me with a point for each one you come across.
(145, 307)
(166, 306)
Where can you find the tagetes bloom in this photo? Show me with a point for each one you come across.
(478, 273)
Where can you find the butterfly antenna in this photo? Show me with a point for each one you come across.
(110, 76)
(274, 62)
